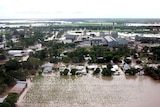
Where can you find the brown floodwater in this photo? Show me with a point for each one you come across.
(93, 91)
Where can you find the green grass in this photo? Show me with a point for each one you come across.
(38, 77)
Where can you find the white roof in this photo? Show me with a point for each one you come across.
(104, 66)
(129, 58)
(1, 100)
(25, 58)
(47, 69)
(47, 65)
(115, 67)
(92, 66)
(138, 66)
(109, 38)
(18, 55)
(14, 52)
(126, 66)
(82, 71)
(79, 67)
(28, 50)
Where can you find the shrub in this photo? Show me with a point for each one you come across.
(97, 71)
(73, 71)
(107, 72)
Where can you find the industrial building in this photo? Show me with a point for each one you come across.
(110, 41)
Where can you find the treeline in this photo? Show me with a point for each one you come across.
(10, 100)
(152, 72)
(96, 71)
(98, 54)
(156, 52)
(14, 70)
(148, 40)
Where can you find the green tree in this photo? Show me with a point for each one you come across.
(128, 61)
(12, 64)
(77, 55)
(75, 60)
(108, 57)
(116, 59)
(66, 59)
(87, 69)
(18, 74)
(9, 80)
(131, 71)
(73, 71)
(2, 88)
(109, 66)
(65, 72)
(12, 99)
(5, 104)
(33, 63)
(2, 54)
(97, 71)
(107, 72)
(152, 72)
(42, 54)
(1, 38)
(54, 60)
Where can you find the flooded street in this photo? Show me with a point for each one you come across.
(93, 91)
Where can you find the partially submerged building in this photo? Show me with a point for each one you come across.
(47, 68)
(19, 87)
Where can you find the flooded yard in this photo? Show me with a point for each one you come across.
(93, 91)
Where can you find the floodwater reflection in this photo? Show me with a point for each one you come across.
(93, 91)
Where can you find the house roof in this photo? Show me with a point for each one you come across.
(68, 36)
(79, 67)
(122, 41)
(47, 69)
(18, 88)
(92, 66)
(115, 67)
(14, 52)
(1, 100)
(47, 65)
(97, 38)
(126, 66)
(109, 38)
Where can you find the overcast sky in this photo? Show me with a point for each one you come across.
(79, 9)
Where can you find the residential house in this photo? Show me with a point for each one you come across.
(19, 87)
(47, 68)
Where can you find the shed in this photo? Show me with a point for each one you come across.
(47, 67)
(19, 87)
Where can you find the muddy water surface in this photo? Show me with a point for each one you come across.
(93, 91)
